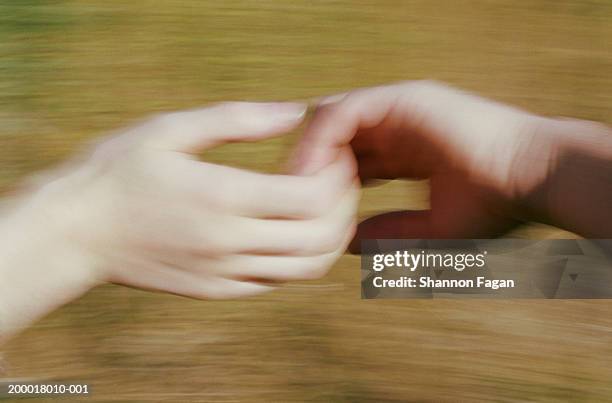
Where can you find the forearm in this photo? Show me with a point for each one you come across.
(41, 268)
(577, 194)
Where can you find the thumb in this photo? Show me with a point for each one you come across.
(394, 225)
(199, 129)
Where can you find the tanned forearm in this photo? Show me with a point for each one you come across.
(577, 194)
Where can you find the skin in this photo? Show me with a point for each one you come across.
(141, 210)
(490, 166)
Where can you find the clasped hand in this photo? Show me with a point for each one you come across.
(142, 210)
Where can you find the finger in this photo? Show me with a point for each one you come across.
(296, 237)
(335, 124)
(278, 268)
(414, 105)
(189, 231)
(331, 99)
(282, 268)
(189, 284)
(223, 288)
(287, 196)
(199, 129)
(251, 194)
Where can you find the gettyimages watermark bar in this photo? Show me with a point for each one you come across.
(486, 268)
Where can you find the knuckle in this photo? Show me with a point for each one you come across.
(329, 240)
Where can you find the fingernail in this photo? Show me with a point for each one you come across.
(287, 111)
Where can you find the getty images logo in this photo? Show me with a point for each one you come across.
(412, 261)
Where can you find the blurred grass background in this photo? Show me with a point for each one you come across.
(71, 70)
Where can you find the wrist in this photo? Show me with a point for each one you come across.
(62, 208)
(41, 266)
(576, 158)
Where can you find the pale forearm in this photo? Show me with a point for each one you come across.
(41, 268)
